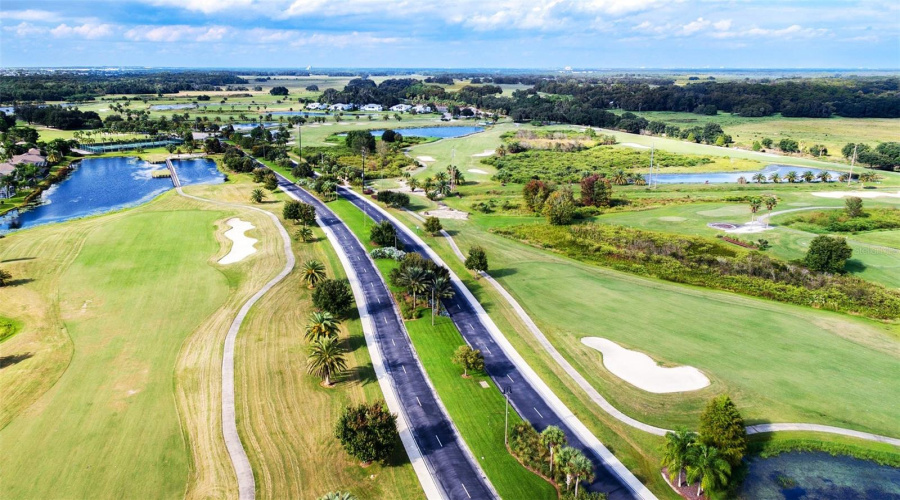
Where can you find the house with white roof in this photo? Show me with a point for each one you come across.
(373, 107)
(341, 107)
(401, 108)
(314, 105)
(422, 108)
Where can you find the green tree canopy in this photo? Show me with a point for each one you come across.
(828, 254)
(477, 259)
(367, 432)
(722, 426)
(469, 359)
(357, 140)
(333, 296)
(560, 207)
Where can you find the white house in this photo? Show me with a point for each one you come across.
(313, 105)
(422, 108)
(372, 107)
(401, 108)
(341, 107)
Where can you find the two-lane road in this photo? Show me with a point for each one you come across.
(447, 457)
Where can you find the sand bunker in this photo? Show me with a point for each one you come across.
(672, 218)
(243, 244)
(425, 158)
(477, 171)
(446, 213)
(487, 152)
(641, 371)
(858, 194)
(636, 146)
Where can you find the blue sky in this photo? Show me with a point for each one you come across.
(458, 33)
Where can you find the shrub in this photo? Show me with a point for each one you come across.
(387, 253)
(291, 210)
(385, 234)
(468, 359)
(536, 193)
(477, 259)
(854, 206)
(367, 432)
(560, 207)
(271, 182)
(5, 277)
(302, 170)
(393, 198)
(333, 296)
(433, 225)
(596, 191)
(828, 254)
(722, 426)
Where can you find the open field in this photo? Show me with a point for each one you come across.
(139, 285)
(832, 132)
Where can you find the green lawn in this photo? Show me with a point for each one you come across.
(109, 427)
(476, 411)
(780, 363)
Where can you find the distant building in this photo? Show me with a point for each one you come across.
(401, 108)
(341, 107)
(441, 109)
(373, 107)
(422, 108)
(32, 157)
(6, 169)
(314, 105)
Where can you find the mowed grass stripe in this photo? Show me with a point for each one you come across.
(109, 428)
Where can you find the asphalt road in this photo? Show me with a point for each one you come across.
(441, 447)
(524, 398)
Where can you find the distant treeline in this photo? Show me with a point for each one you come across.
(59, 117)
(64, 86)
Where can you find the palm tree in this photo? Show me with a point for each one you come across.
(619, 178)
(304, 233)
(338, 495)
(759, 177)
(707, 467)
(755, 203)
(677, 452)
(808, 176)
(415, 280)
(257, 195)
(639, 180)
(774, 177)
(792, 177)
(553, 437)
(824, 176)
(313, 272)
(428, 184)
(844, 177)
(413, 184)
(443, 187)
(564, 459)
(441, 288)
(582, 468)
(865, 177)
(326, 358)
(770, 202)
(440, 176)
(322, 324)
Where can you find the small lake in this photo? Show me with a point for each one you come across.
(299, 113)
(244, 127)
(99, 185)
(439, 132)
(802, 475)
(723, 177)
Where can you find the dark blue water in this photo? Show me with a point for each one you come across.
(440, 132)
(722, 177)
(807, 476)
(99, 185)
(243, 127)
(298, 113)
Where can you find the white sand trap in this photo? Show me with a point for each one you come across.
(672, 218)
(636, 146)
(477, 171)
(641, 371)
(487, 152)
(447, 213)
(243, 244)
(858, 194)
(750, 228)
(425, 158)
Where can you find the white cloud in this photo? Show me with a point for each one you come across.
(177, 33)
(694, 26)
(204, 6)
(792, 31)
(33, 15)
(24, 30)
(723, 25)
(89, 31)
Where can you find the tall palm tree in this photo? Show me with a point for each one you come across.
(759, 177)
(582, 469)
(440, 176)
(326, 358)
(413, 183)
(553, 437)
(770, 202)
(313, 272)
(677, 452)
(441, 288)
(322, 324)
(416, 281)
(428, 184)
(808, 176)
(755, 203)
(775, 177)
(824, 176)
(791, 177)
(442, 187)
(564, 460)
(707, 467)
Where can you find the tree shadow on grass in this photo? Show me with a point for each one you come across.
(365, 374)
(20, 281)
(854, 266)
(17, 260)
(501, 273)
(14, 359)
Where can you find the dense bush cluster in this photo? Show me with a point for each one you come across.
(387, 253)
(59, 117)
(709, 263)
(393, 198)
(368, 432)
(837, 221)
(80, 86)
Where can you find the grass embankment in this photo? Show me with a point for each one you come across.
(837, 221)
(767, 445)
(285, 417)
(131, 289)
(477, 412)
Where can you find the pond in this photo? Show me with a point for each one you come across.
(803, 475)
(166, 107)
(244, 127)
(299, 113)
(99, 185)
(439, 132)
(722, 177)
